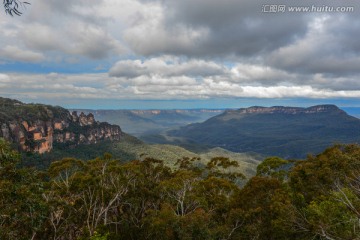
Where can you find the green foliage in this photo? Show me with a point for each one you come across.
(188, 163)
(221, 162)
(331, 219)
(316, 175)
(7, 155)
(221, 167)
(98, 236)
(22, 209)
(272, 167)
(14, 110)
(106, 199)
(131, 148)
(327, 197)
(263, 203)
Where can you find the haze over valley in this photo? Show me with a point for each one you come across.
(142, 122)
(283, 131)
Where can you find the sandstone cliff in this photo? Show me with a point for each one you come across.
(246, 112)
(37, 128)
(288, 110)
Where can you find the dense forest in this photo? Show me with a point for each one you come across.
(105, 198)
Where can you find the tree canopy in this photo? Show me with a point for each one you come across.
(105, 198)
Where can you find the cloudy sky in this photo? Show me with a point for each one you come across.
(181, 53)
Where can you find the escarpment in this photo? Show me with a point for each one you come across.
(37, 127)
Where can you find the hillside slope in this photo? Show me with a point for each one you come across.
(131, 148)
(283, 131)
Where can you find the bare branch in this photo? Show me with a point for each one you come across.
(12, 7)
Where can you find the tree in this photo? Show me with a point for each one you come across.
(316, 175)
(264, 206)
(12, 6)
(272, 167)
(327, 197)
(85, 196)
(22, 209)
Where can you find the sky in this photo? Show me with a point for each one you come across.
(141, 54)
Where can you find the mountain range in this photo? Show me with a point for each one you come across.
(287, 132)
(44, 133)
(143, 122)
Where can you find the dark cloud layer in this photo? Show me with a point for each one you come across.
(182, 49)
(228, 27)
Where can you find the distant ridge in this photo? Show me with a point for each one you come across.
(290, 110)
(331, 109)
(140, 122)
(289, 132)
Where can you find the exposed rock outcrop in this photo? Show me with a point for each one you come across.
(37, 128)
(242, 112)
(287, 110)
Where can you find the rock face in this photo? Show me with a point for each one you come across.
(36, 128)
(287, 110)
(280, 110)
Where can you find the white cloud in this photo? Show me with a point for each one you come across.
(100, 86)
(179, 49)
(260, 75)
(55, 29)
(14, 53)
(166, 67)
(323, 50)
(4, 78)
(149, 33)
(198, 28)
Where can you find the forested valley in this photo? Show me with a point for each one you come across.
(106, 198)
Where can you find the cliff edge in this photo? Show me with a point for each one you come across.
(37, 127)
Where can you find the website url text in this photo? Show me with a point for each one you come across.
(277, 8)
